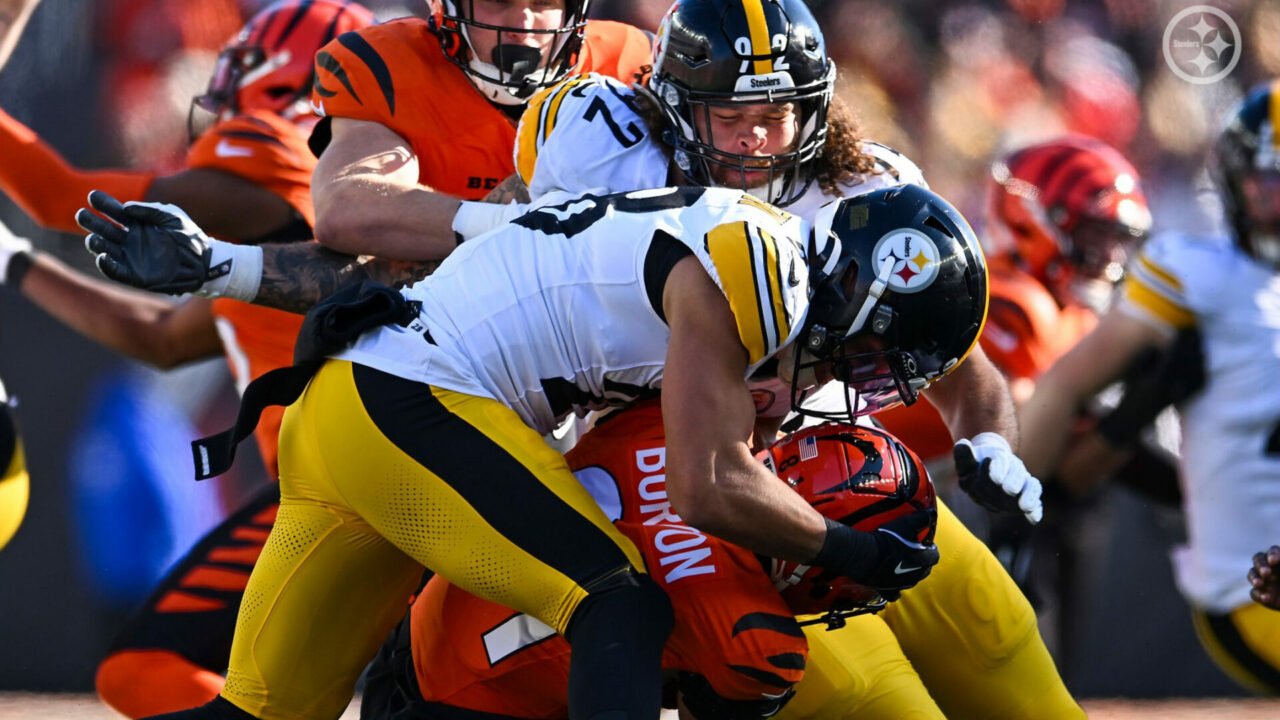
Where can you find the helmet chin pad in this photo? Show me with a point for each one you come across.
(516, 61)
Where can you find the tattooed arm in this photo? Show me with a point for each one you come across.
(511, 189)
(13, 17)
(296, 276)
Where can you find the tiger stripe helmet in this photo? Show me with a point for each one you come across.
(269, 64)
(1066, 210)
(860, 476)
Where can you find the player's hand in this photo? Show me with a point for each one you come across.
(1264, 576)
(157, 247)
(150, 246)
(889, 559)
(995, 478)
(10, 245)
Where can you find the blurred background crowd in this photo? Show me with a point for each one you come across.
(949, 83)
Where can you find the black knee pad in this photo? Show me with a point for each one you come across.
(625, 597)
(617, 635)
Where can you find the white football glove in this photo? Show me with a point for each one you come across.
(10, 245)
(995, 478)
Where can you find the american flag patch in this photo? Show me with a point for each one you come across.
(808, 448)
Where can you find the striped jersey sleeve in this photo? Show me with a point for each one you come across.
(1155, 288)
(586, 134)
(765, 281)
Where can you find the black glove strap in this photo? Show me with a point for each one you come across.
(19, 265)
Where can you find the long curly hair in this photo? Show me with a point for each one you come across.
(841, 158)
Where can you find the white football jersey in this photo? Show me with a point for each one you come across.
(1231, 483)
(586, 134)
(561, 310)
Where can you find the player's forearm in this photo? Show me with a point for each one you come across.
(296, 276)
(133, 323)
(975, 399)
(1046, 420)
(372, 215)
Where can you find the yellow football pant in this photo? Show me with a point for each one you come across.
(380, 476)
(15, 487)
(1245, 643)
(961, 644)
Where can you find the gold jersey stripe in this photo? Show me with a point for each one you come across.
(759, 28)
(1145, 297)
(773, 270)
(528, 132)
(729, 246)
(1160, 273)
(553, 109)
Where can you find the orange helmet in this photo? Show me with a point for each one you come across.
(269, 64)
(860, 476)
(1067, 211)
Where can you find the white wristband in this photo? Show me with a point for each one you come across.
(477, 218)
(244, 277)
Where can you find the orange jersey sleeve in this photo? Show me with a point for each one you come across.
(1026, 329)
(49, 189)
(395, 74)
(616, 49)
(264, 149)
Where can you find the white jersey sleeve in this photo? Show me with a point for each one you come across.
(1173, 277)
(584, 134)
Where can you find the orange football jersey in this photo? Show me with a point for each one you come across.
(395, 74)
(270, 152)
(730, 623)
(1026, 331)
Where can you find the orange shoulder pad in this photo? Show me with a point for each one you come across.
(616, 49)
(1020, 336)
(264, 149)
(372, 73)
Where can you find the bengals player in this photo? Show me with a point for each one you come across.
(249, 176)
(1061, 218)
(736, 649)
(420, 112)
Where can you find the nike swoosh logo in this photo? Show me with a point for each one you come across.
(226, 149)
(900, 570)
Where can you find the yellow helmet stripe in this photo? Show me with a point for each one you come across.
(759, 28)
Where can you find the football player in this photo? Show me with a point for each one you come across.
(1229, 289)
(735, 649)
(418, 443)
(248, 176)
(15, 483)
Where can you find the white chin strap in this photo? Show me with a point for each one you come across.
(873, 296)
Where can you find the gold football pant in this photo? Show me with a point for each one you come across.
(961, 644)
(1245, 643)
(15, 484)
(380, 476)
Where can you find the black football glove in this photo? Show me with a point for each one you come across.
(888, 559)
(150, 246)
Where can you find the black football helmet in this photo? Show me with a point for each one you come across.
(514, 72)
(1246, 166)
(899, 297)
(733, 52)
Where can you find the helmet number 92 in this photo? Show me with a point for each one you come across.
(742, 46)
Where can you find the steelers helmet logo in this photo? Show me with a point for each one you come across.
(915, 260)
